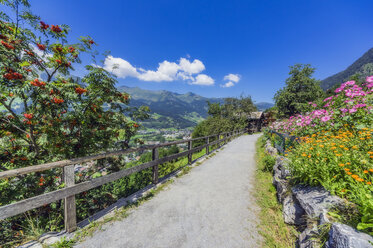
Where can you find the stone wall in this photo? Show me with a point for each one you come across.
(307, 208)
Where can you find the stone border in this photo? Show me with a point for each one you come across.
(307, 208)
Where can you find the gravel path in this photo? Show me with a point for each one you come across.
(212, 206)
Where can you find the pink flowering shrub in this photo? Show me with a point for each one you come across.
(351, 105)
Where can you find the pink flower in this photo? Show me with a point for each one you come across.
(338, 90)
(369, 79)
(353, 110)
(325, 118)
(349, 83)
(328, 98)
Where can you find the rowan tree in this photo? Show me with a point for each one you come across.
(47, 114)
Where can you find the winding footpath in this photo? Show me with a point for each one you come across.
(211, 206)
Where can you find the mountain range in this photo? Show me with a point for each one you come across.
(363, 66)
(173, 110)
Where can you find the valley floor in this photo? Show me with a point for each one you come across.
(212, 206)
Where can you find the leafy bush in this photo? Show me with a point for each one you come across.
(268, 162)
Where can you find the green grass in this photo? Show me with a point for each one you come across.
(274, 231)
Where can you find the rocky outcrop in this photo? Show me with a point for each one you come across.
(343, 236)
(292, 211)
(316, 200)
(308, 238)
(270, 149)
(302, 203)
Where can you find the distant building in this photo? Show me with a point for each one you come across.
(255, 120)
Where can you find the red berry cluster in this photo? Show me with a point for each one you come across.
(80, 90)
(71, 49)
(44, 26)
(56, 29)
(12, 75)
(29, 53)
(41, 181)
(8, 46)
(41, 46)
(37, 83)
(28, 116)
(57, 100)
(58, 49)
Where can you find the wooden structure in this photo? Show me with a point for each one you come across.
(71, 189)
(255, 120)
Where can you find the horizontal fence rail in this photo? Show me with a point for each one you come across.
(71, 189)
(283, 136)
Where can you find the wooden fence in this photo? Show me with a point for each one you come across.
(71, 189)
(283, 136)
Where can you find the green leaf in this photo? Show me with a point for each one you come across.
(362, 226)
(25, 63)
(97, 174)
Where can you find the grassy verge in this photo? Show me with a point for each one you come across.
(274, 231)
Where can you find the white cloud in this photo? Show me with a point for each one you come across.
(154, 76)
(184, 69)
(227, 85)
(232, 80)
(191, 67)
(120, 67)
(168, 68)
(203, 79)
(232, 77)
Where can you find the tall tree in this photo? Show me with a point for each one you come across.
(301, 88)
(231, 115)
(46, 114)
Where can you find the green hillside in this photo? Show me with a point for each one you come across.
(363, 66)
(169, 109)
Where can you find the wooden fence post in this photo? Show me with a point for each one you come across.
(190, 155)
(207, 147)
(155, 156)
(70, 207)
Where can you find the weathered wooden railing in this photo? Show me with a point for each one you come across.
(283, 136)
(71, 189)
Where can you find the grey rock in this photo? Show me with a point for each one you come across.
(343, 236)
(47, 235)
(285, 173)
(31, 244)
(316, 200)
(53, 237)
(51, 240)
(270, 149)
(281, 160)
(282, 188)
(307, 238)
(282, 167)
(276, 172)
(323, 219)
(292, 211)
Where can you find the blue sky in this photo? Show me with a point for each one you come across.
(204, 41)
